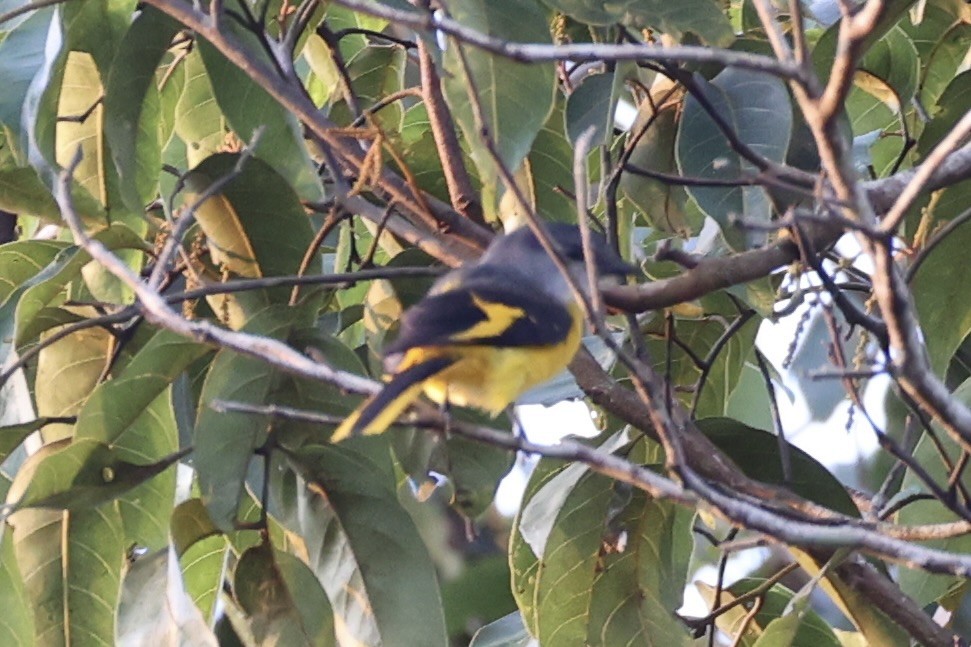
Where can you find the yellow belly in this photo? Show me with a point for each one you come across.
(491, 379)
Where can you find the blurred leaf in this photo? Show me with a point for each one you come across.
(515, 98)
(705, 18)
(23, 259)
(201, 550)
(756, 106)
(247, 106)
(154, 609)
(17, 627)
(507, 631)
(132, 109)
(757, 453)
(80, 100)
(282, 598)
(550, 168)
(475, 470)
(480, 595)
(369, 557)
(12, 435)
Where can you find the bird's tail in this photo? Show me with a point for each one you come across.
(378, 412)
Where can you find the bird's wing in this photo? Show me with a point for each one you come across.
(486, 314)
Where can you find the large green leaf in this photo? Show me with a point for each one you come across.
(923, 587)
(46, 287)
(132, 109)
(72, 563)
(155, 610)
(114, 406)
(255, 224)
(942, 38)
(198, 120)
(282, 598)
(705, 18)
(757, 453)
(638, 588)
(224, 441)
(247, 106)
(944, 313)
(364, 547)
(954, 103)
(515, 99)
(757, 108)
(663, 205)
(97, 27)
(17, 627)
(894, 60)
(79, 475)
(201, 550)
(22, 59)
(23, 192)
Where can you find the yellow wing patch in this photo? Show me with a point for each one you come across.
(499, 317)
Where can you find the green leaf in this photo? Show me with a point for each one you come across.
(551, 169)
(23, 259)
(202, 551)
(944, 313)
(591, 105)
(515, 98)
(79, 475)
(365, 549)
(662, 204)
(116, 405)
(923, 587)
(942, 38)
(640, 585)
(894, 60)
(705, 18)
(132, 109)
(757, 453)
(17, 627)
(97, 27)
(479, 594)
(247, 106)
(756, 106)
(224, 441)
(72, 564)
(23, 192)
(198, 120)
(12, 435)
(282, 598)
(67, 372)
(81, 95)
(22, 59)
(951, 107)
(154, 609)
(45, 288)
(255, 224)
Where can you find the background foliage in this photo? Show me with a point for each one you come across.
(213, 216)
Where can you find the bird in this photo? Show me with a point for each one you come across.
(489, 331)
